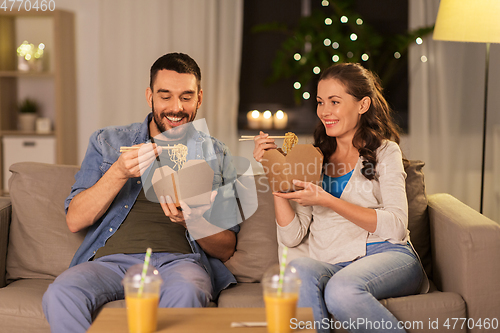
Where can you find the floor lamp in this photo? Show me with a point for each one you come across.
(471, 21)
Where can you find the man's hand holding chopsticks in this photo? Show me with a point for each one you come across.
(134, 162)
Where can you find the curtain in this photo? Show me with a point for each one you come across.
(446, 114)
(118, 41)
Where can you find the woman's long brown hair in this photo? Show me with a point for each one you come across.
(374, 126)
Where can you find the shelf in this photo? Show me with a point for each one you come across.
(55, 87)
(19, 74)
(25, 133)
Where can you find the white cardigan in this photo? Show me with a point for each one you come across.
(331, 237)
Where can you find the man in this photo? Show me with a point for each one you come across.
(110, 195)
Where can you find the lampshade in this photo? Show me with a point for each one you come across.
(468, 21)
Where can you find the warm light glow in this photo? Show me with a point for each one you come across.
(365, 57)
(267, 114)
(255, 114)
(327, 42)
(280, 114)
(41, 46)
(335, 45)
(350, 54)
(344, 19)
(328, 21)
(335, 58)
(354, 37)
(419, 41)
(316, 70)
(468, 21)
(423, 58)
(297, 56)
(359, 21)
(325, 3)
(397, 55)
(297, 85)
(306, 95)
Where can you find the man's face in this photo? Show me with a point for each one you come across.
(174, 100)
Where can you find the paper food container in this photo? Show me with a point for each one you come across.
(303, 162)
(192, 184)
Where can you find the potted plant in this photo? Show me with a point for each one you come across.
(27, 115)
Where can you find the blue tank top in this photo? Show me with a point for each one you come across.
(335, 185)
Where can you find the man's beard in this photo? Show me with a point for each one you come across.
(175, 132)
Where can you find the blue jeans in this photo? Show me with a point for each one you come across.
(350, 291)
(77, 293)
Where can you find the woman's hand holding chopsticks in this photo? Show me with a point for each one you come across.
(262, 142)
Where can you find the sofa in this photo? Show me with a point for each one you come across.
(459, 248)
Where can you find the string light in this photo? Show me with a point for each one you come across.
(350, 54)
(423, 58)
(359, 21)
(328, 21)
(344, 19)
(316, 70)
(327, 42)
(297, 56)
(354, 37)
(255, 114)
(335, 58)
(325, 3)
(335, 45)
(306, 95)
(297, 85)
(419, 41)
(267, 114)
(397, 55)
(365, 57)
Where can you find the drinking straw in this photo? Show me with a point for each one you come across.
(144, 271)
(282, 269)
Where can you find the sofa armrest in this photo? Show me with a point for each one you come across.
(466, 254)
(5, 216)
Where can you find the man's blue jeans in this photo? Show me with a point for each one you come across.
(77, 293)
(350, 291)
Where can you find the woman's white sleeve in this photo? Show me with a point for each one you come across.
(292, 234)
(392, 218)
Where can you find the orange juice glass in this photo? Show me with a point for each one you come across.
(142, 298)
(281, 300)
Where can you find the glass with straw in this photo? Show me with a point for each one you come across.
(281, 293)
(142, 290)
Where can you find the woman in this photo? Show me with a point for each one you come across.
(359, 250)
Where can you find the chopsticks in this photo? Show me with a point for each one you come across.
(249, 137)
(125, 148)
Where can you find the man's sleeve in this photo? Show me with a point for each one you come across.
(90, 171)
(224, 211)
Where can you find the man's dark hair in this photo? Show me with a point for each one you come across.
(178, 62)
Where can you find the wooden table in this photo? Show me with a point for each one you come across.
(185, 320)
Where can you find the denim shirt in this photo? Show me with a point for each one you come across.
(104, 150)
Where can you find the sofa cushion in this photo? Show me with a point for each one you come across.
(257, 248)
(242, 295)
(21, 306)
(40, 243)
(418, 218)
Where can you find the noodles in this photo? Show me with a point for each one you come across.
(289, 141)
(178, 155)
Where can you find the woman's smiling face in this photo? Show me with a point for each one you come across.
(339, 111)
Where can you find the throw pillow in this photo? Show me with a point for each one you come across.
(257, 248)
(418, 219)
(40, 243)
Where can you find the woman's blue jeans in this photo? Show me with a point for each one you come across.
(350, 291)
